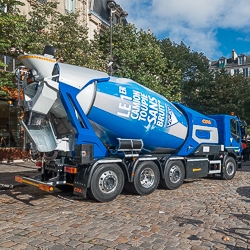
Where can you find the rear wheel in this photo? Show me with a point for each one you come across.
(146, 178)
(174, 175)
(106, 183)
(230, 168)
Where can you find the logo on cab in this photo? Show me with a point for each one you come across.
(205, 121)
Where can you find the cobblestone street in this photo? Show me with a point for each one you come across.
(201, 214)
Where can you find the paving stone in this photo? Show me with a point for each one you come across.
(199, 215)
(84, 246)
(7, 244)
(46, 245)
(172, 248)
(134, 248)
(58, 247)
(122, 246)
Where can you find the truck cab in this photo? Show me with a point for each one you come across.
(231, 133)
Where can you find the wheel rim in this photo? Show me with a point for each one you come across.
(175, 174)
(230, 168)
(147, 177)
(108, 181)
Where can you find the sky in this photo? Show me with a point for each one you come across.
(213, 27)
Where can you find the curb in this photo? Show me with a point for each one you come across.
(10, 186)
(14, 161)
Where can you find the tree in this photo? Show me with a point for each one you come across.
(230, 94)
(67, 33)
(11, 22)
(204, 90)
(11, 25)
(137, 55)
(45, 26)
(194, 68)
(171, 69)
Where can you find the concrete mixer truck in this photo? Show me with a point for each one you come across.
(100, 134)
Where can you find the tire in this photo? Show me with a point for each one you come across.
(49, 156)
(174, 175)
(146, 178)
(107, 182)
(230, 168)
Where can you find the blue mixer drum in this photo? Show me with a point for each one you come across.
(123, 108)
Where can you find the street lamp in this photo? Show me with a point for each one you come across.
(111, 4)
(124, 14)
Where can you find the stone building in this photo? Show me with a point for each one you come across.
(235, 65)
(95, 14)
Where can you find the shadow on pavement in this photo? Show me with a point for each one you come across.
(241, 234)
(246, 166)
(237, 233)
(8, 177)
(26, 193)
(244, 192)
(185, 221)
(245, 218)
(24, 197)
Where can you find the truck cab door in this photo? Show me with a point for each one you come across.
(234, 136)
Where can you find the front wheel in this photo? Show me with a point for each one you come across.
(106, 183)
(230, 168)
(174, 175)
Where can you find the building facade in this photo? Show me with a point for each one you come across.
(237, 64)
(96, 15)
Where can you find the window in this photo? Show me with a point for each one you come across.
(234, 130)
(241, 60)
(4, 8)
(116, 19)
(245, 72)
(10, 63)
(70, 6)
(236, 72)
(42, 1)
(222, 63)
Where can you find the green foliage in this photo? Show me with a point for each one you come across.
(206, 91)
(232, 94)
(6, 79)
(171, 69)
(45, 26)
(12, 25)
(137, 55)
(66, 32)
(193, 67)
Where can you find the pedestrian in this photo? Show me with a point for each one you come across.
(245, 152)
